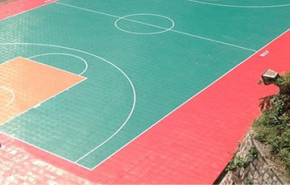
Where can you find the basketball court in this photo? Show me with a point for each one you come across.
(137, 92)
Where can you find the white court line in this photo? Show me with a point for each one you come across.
(13, 137)
(65, 54)
(1, 124)
(48, 152)
(11, 93)
(151, 25)
(240, 6)
(34, 108)
(97, 147)
(100, 58)
(145, 33)
(216, 41)
(53, 67)
(148, 128)
(189, 100)
(7, 62)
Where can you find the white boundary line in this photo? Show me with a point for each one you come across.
(184, 33)
(134, 98)
(47, 3)
(13, 137)
(189, 100)
(65, 54)
(216, 41)
(1, 124)
(100, 58)
(240, 6)
(11, 93)
(88, 10)
(53, 96)
(9, 135)
(29, 59)
(8, 61)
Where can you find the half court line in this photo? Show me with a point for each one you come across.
(159, 27)
(147, 24)
(184, 33)
(207, 87)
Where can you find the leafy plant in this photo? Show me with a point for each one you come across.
(240, 162)
(237, 162)
(273, 126)
(253, 152)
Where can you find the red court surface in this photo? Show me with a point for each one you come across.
(190, 146)
(195, 143)
(19, 6)
(19, 166)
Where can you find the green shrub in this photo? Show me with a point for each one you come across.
(273, 126)
(237, 162)
(253, 153)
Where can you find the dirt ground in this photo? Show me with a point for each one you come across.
(6, 1)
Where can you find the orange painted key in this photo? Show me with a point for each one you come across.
(24, 84)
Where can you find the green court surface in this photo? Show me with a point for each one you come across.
(142, 58)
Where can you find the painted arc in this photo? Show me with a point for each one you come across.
(12, 96)
(100, 58)
(64, 54)
(160, 29)
(219, 4)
